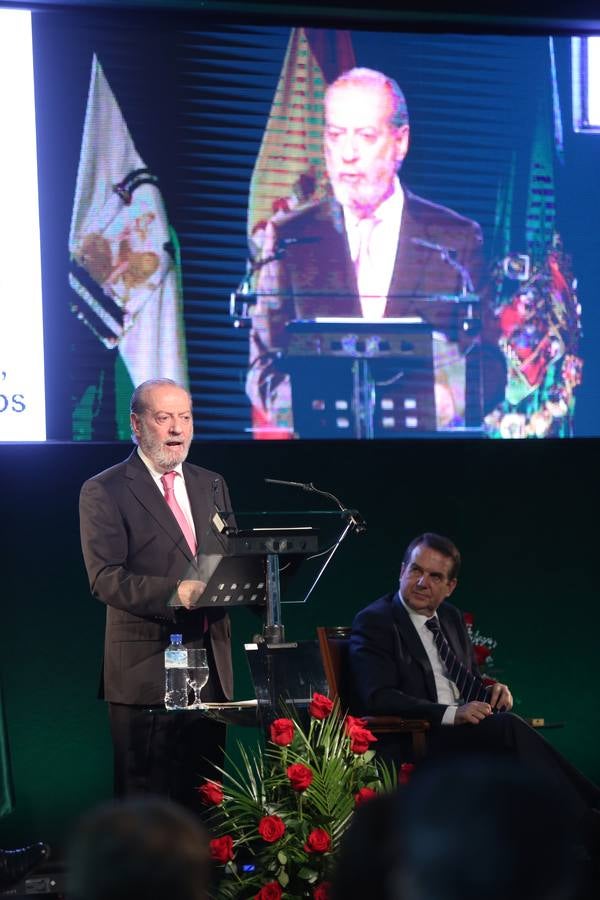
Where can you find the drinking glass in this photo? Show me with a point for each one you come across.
(197, 674)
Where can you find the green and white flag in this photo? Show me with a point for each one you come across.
(124, 256)
(6, 788)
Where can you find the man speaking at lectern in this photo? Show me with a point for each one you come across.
(143, 522)
(366, 250)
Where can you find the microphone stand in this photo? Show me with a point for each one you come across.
(353, 521)
(243, 297)
(447, 255)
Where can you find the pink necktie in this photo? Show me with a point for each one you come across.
(367, 275)
(168, 484)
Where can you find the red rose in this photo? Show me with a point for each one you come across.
(320, 706)
(353, 722)
(300, 776)
(221, 849)
(360, 738)
(318, 841)
(468, 619)
(322, 891)
(406, 770)
(282, 732)
(211, 793)
(363, 795)
(271, 828)
(481, 654)
(270, 891)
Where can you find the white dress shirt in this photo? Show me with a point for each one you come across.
(179, 488)
(375, 262)
(447, 692)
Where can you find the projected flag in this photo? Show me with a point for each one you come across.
(537, 306)
(124, 258)
(290, 166)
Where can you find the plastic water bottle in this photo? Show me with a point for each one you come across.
(176, 687)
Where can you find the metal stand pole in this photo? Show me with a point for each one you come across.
(363, 399)
(273, 631)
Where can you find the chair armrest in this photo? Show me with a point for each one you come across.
(395, 725)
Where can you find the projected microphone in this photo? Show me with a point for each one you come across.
(290, 241)
(449, 255)
(431, 246)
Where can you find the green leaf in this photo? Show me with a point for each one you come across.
(282, 857)
(283, 878)
(307, 874)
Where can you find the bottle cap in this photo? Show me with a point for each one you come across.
(176, 638)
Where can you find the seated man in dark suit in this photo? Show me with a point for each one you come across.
(366, 250)
(411, 656)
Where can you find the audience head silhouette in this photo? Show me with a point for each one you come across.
(463, 829)
(138, 849)
(484, 827)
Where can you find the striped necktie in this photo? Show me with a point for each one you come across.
(470, 687)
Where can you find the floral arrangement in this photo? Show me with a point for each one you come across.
(482, 645)
(539, 317)
(279, 817)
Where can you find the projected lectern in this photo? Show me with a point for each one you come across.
(355, 378)
(360, 379)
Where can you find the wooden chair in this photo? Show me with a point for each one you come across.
(333, 644)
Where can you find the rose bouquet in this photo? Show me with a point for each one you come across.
(279, 817)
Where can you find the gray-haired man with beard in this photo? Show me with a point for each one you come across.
(143, 522)
(371, 250)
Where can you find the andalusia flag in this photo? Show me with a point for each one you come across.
(124, 257)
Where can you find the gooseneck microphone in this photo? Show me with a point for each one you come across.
(431, 246)
(290, 241)
(298, 484)
(351, 516)
(448, 254)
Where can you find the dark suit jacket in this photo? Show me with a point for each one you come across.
(135, 554)
(390, 670)
(316, 277)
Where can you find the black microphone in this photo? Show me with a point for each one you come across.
(352, 516)
(431, 246)
(298, 484)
